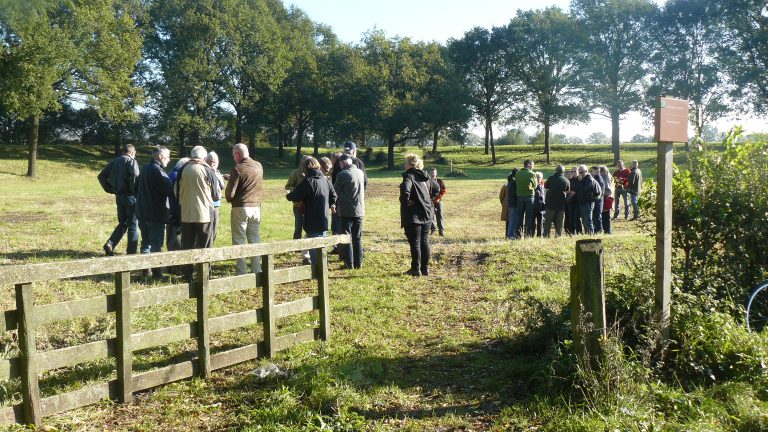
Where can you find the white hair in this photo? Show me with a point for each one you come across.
(181, 162)
(211, 156)
(241, 148)
(198, 152)
(539, 175)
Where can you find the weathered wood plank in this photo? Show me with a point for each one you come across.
(162, 295)
(236, 356)
(8, 320)
(28, 273)
(79, 398)
(10, 368)
(30, 391)
(268, 303)
(296, 307)
(12, 414)
(165, 375)
(123, 328)
(323, 294)
(74, 355)
(203, 330)
(235, 320)
(73, 309)
(293, 339)
(163, 336)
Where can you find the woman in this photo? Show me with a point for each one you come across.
(607, 198)
(509, 204)
(416, 212)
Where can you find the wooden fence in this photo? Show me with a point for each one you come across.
(28, 316)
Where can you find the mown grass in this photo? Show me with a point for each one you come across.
(436, 353)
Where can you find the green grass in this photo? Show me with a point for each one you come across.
(437, 353)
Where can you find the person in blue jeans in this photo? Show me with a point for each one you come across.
(152, 208)
(526, 183)
(509, 200)
(120, 178)
(597, 211)
(350, 206)
(586, 191)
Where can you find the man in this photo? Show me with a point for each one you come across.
(621, 180)
(212, 159)
(294, 179)
(597, 211)
(557, 187)
(119, 178)
(586, 191)
(244, 192)
(634, 186)
(526, 183)
(152, 209)
(350, 206)
(197, 189)
(350, 149)
(437, 200)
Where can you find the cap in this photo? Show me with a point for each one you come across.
(349, 145)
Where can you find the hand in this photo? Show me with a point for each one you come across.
(410, 203)
(226, 177)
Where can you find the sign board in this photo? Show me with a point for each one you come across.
(671, 120)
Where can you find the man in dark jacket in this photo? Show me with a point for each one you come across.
(152, 210)
(317, 195)
(350, 206)
(597, 212)
(586, 191)
(634, 185)
(557, 189)
(119, 178)
(437, 201)
(416, 212)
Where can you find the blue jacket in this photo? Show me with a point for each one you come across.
(154, 189)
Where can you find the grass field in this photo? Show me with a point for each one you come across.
(437, 353)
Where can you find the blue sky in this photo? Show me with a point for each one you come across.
(440, 20)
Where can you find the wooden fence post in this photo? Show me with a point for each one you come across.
(124, 350)
(321, 270)
(30, 391)
(268, 302)
(203, 329)
(588, 298)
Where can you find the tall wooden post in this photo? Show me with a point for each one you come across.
(30, 390)
(203, 328)
(321, 269)
(588, 298)
(268, 303)
(123, 327)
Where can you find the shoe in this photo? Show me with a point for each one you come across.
(306, 261)
(425, 272)
(412, 273)
(108, 249)
(441, 234)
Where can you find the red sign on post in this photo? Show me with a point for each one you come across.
(671, 120)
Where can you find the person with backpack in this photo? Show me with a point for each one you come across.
(597, 212)
(120, 178)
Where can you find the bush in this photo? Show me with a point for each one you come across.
(457, 173)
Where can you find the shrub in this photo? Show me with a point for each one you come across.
(457, 172)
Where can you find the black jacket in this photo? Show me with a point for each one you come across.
(415, 197)
(557, 189)
(586, 189)
(119, 176)
(317, 195)
(153, 192)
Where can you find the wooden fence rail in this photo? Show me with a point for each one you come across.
(28, 316)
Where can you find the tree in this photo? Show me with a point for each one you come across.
(542, 50)
(480, 58)
(620, 41)
(689, 65)
(597, 138)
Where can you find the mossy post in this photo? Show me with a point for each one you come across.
(588, 298)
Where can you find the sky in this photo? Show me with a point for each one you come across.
(440, 20)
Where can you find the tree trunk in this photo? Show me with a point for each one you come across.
(364, 141)
(118, 140)
(316, 138)
(546, 140)
(615, 136)
(280, 142)
(493, 147)
(299, 143)
(390, 152)
(33, 134)
(238, 126)
(182, 139)
(194, 137)
(434, 140)
(487, 128)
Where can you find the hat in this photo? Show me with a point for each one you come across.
(349, 145)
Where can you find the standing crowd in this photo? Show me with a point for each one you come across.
(579, 202)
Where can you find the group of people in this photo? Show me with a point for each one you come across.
(579, 202)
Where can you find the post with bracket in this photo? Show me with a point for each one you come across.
(588, 299)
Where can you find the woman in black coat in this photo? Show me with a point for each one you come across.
(416, 212)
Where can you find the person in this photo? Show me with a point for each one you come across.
(317, 196)
(296, 177)
(244, 191)
(437, 202)
(173, 232)
(350, 148)
(508, 198)
(152, 209)
(539, 203)
(325, 165)
(557, 186)
(621, 179)
(634, 186)
(120, 177)
(196, 190)
(350, 206)
(525, 180)
(608, 197)
(597, 211)
(416, 212)
(586, 191)
(572, 225)
(212, 159)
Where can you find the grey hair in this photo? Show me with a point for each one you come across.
(158, 150)
(181, 162)
(211, 156)
(559, 169)
(241, 148)
(198, 152)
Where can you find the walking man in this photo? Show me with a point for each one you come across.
(119, 178)
(557, 187)
(244, 191)
(350, 206)
(621, 180)
(437, 201)
(634, 186)
(152, 208)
